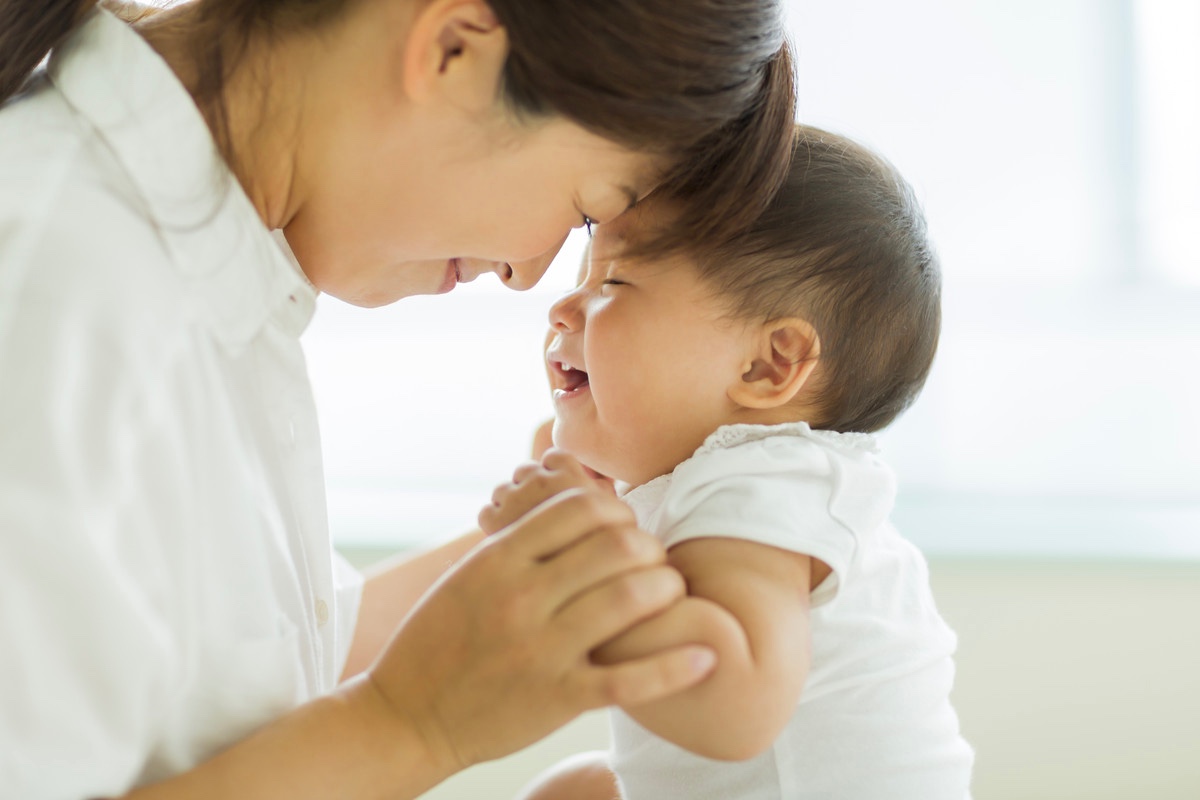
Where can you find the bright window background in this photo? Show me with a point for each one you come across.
(1054, 146)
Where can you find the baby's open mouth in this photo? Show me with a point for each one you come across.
(568, 378)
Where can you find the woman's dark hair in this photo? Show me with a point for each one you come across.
(28, 31)
(706, 83)
(843, 245)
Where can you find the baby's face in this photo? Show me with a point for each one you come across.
(641, 356)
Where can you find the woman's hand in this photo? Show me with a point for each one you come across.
(496, 655)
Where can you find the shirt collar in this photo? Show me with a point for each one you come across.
(147, 119)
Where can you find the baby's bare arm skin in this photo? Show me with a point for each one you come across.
(750, 603)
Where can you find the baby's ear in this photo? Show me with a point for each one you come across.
(785, 353)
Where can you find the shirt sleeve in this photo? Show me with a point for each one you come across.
(89, 662)
(794, 493)
(89, 656)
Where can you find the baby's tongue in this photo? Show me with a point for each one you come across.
(576, 378)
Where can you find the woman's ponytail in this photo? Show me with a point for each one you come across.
(29, 29)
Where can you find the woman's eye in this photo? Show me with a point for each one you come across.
(587, 223)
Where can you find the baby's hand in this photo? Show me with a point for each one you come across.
(533, 483)
(543, 440)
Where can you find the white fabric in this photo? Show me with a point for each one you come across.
(166, 575)
(874, 721)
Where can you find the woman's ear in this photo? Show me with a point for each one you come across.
(786, 352)
(455, 54)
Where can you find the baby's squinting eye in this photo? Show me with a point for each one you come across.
(613, 282)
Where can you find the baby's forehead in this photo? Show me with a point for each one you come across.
(597, 264)
(621, 242)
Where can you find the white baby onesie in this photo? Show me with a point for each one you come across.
(874, 721)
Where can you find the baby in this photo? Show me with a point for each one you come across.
(732, 394)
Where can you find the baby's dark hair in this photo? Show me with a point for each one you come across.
(844, 246)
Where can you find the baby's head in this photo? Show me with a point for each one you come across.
(826, 311)
(843, 246)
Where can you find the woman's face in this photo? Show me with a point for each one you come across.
(408, 173)
(385, 222)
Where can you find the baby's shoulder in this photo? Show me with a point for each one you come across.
(789, 448)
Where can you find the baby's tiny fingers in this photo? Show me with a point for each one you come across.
(525, 471)
(501, 493)
(558, 459)
(489, 519)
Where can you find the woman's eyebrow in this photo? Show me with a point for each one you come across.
(631, 194)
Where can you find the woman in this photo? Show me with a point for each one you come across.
(174, 190)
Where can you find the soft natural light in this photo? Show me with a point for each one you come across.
(1053, 146)
(1168, 72)
(426, 405)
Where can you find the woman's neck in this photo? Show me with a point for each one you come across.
(255, 114)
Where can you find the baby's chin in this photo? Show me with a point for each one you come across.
(563, 441)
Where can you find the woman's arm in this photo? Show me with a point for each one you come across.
(390, 591)
(750, 603)
(349, 744)
(492, 658)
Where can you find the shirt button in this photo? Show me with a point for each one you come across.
(322, 613)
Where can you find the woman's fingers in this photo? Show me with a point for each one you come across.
(497, 654)
(605, 609)
(562, 520)
(593, 561)
(633, 683)
(487, 662)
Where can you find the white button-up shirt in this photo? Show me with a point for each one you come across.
(166, 577)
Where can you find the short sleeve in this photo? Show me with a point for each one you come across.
(796, 493)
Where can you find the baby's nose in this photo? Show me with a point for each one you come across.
(565, 314)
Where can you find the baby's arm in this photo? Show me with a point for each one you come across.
(750, 603)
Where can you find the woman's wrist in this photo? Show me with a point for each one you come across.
(414, 736)
(349, 744)
(413, 755)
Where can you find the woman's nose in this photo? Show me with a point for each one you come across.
(522, 275)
